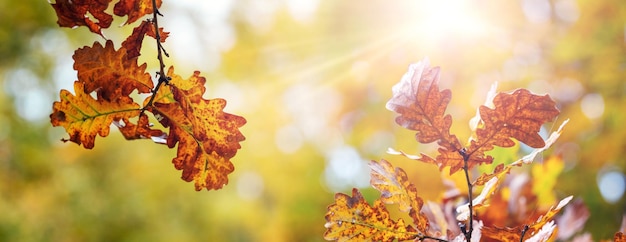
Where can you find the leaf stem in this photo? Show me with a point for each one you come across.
(160, 52)
(468, 233)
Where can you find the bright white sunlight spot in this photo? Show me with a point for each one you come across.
(435, 21)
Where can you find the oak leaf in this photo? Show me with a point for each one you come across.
(132, 44)
(517, 115)
(207, 137)
(352, 218)
(395, 188)
(542, 228)
(74, 13)
(422, 108)
(110, 72)
(500, 169)
(135, 9)
(84, 117)
(141, 130)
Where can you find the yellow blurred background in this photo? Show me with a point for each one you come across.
(312, 78)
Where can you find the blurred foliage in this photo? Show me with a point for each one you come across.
(312, 79)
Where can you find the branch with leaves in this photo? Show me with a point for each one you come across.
(207, 138)
(421, 106)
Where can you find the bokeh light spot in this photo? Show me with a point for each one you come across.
(288, 139)
(592, 105)
(567, 10)
(250, 185)
(536, 11)
(612, 185)
(346, 169)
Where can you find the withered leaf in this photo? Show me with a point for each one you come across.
(83, 117)
(132, 44)
(141, 130)
(109, 72)
(395, 188)
(135, 9)
(207, 137)
(517, 115)
(500, 169)
(352, 218)
(543, 227)
(73, 13)
(422, 108)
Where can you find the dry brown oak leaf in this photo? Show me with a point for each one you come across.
(422, 108)
(135, 9)
(74, 13)
(132, 44)
(353, 219)
(84, 117)
(518, 115)
(207, 137)
(141, 130)
(110, 72)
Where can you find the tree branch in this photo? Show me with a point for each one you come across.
(468, 233)
(160, 52)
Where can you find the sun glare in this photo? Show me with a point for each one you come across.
(446, 19)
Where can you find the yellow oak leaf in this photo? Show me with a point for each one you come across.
(544, 180)
(353, 219)
(395, 188)
(84, 117)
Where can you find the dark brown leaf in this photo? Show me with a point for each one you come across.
(74, 13)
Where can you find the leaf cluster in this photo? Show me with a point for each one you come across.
(206, 136)
(421, 106)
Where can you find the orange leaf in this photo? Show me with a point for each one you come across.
(73, 13)
(110, 72)
(207, 137)
(518, 115)
(500, 169)
(395, 187)
(162, 34)
(422, 107)
(141, 130)
(352, 218)
(135, 9)
(83, 117)
(132, 44)
(619, 237)
(541, 229)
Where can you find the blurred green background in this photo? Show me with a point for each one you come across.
(312, 78)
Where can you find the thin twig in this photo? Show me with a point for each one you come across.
(433, 238)
(160, 50)
(521, 239)
(468, 233)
